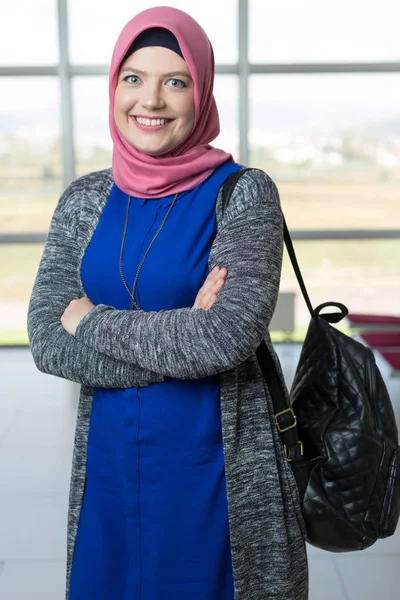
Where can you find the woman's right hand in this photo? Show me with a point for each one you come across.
(212, 286)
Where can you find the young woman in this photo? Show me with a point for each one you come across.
(180, 489)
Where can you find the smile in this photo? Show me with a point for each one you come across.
(151, 122)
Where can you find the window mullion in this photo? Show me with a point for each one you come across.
(67, 122)
(243, 17)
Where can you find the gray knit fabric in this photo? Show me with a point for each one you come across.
(121, 349)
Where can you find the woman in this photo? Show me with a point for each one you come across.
(180, 488)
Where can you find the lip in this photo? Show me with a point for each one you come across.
(149, 128)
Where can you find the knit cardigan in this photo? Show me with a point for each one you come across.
(121, 349)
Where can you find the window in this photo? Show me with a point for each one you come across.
(91, 132)
(332, 144)
(362, 274)
(30, 154)
(18, 267)
(289, 31)
(226, 92)
(330, 140)
(94, 28)
(28, 33)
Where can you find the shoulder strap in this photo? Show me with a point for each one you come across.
(228, 189)
(315, 313)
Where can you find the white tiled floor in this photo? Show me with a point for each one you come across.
(35, 464)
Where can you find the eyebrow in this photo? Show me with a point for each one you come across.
(170, 74)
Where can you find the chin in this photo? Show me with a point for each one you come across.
(151, 150)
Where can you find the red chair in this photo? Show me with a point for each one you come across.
(368, 322)
(382, 339)
(387, 343)
(393, 359)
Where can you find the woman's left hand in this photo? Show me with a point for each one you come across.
(75, 311)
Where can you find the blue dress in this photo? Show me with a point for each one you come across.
(154, 519)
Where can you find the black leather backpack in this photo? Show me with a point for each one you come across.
(338, 430)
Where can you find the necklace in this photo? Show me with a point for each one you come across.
(132, 294)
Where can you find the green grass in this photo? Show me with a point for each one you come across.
(14, 338)
(18, 267)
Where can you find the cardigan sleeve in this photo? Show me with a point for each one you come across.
(54, 350)
(190, 343)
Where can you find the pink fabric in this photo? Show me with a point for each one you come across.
(139, 174)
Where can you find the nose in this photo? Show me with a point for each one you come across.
(151, 97)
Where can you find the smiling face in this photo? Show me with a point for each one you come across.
(154, 100)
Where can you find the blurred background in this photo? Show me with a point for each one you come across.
(307, 91)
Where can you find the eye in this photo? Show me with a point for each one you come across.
(176, 83)
(133, 79)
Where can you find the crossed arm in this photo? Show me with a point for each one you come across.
(117, 349)
(187, 343)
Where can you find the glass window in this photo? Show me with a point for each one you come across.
(362, 274)
(30, 153)
(91, 132)
(332, 144)
(92, 137)
(28, 33)
(94, 26)
(18, 267)
(226, 92)
(290, 31)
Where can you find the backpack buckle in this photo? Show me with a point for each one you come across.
(291, 426)
(301, 449)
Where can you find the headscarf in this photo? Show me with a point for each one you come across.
(139, 174)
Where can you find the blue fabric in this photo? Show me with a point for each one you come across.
(154, 520)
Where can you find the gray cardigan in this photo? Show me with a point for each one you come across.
(121, 349)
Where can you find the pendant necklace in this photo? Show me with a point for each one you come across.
(132, 294)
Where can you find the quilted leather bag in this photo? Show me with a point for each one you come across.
(338, 430)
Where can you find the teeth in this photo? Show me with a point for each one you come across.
(151, 122)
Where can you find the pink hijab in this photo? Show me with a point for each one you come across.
(139, 174)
